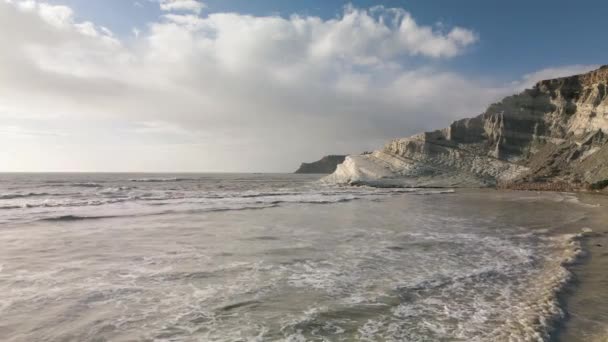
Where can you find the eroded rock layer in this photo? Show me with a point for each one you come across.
(554, 133)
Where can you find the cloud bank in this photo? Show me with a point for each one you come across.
(225, 91)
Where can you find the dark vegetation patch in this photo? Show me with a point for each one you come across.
(599, 185)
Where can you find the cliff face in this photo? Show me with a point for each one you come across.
(327, 165)
(554, 133)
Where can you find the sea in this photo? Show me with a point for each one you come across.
(281, 257)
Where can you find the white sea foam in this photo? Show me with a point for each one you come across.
(536, 302)
(539, 309)
(86, 185)
(559, 197)
(160, 179)
(124, 200)
(362, 270)
(24, 195)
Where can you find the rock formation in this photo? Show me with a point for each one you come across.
(327, 164)
(552, 136)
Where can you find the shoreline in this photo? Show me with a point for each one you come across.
(554, 187)
(584, 298)
(584, 188)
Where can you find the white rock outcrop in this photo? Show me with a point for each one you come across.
(553, 132)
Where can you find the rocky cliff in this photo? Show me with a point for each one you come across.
(327, 164)
(554, 135)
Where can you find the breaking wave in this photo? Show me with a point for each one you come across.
(25, 195)
(513, 301)
(10, 207)
(160, 180)
(73, 184)
(539, 311)
(404, 271)
(87, 185)
(204, 200)
(74, 218)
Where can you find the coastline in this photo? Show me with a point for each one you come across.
(553, 187)
(581, 300)
(584, 298)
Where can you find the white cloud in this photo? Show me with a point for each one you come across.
(21, 132)
(59, 16)
(226, 92)
(182, 5)
(528, 80)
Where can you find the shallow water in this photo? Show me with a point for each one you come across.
(280, 257)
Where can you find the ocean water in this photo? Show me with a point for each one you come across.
(264, 257)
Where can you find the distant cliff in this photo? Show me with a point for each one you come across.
(327, 165)
(553, 136)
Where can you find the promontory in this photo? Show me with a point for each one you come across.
(551, 137)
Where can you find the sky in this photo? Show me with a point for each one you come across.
(261, 86)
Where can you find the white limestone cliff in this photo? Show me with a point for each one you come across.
(554, 132)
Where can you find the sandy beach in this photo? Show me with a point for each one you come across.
(586, 297)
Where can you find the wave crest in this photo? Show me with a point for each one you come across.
(25, 195)
(160, 180)
(74, 218)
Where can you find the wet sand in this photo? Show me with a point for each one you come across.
(586, 298)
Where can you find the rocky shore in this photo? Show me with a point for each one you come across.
(551, 137)
(327, 165)
(553, 186)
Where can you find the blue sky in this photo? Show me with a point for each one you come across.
(260, 86)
